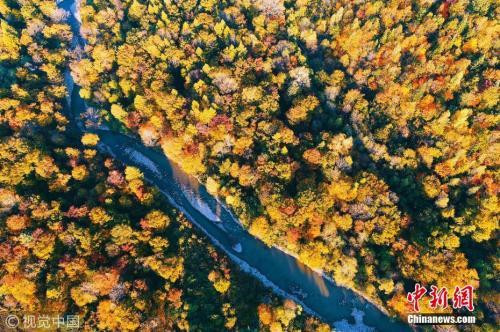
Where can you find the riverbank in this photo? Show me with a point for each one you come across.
(326, 276)
(272, 266)
(277, 270)
(320, 272)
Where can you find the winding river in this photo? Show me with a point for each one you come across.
(340, 307)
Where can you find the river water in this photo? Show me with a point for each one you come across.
(338, 306)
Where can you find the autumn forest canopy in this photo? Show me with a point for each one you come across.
(360, 136)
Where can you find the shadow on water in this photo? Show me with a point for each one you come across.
(315, 278)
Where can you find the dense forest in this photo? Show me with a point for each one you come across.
(85, 235)
(361, 136)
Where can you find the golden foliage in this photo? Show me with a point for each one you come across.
(113, 316)
(90, 139)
